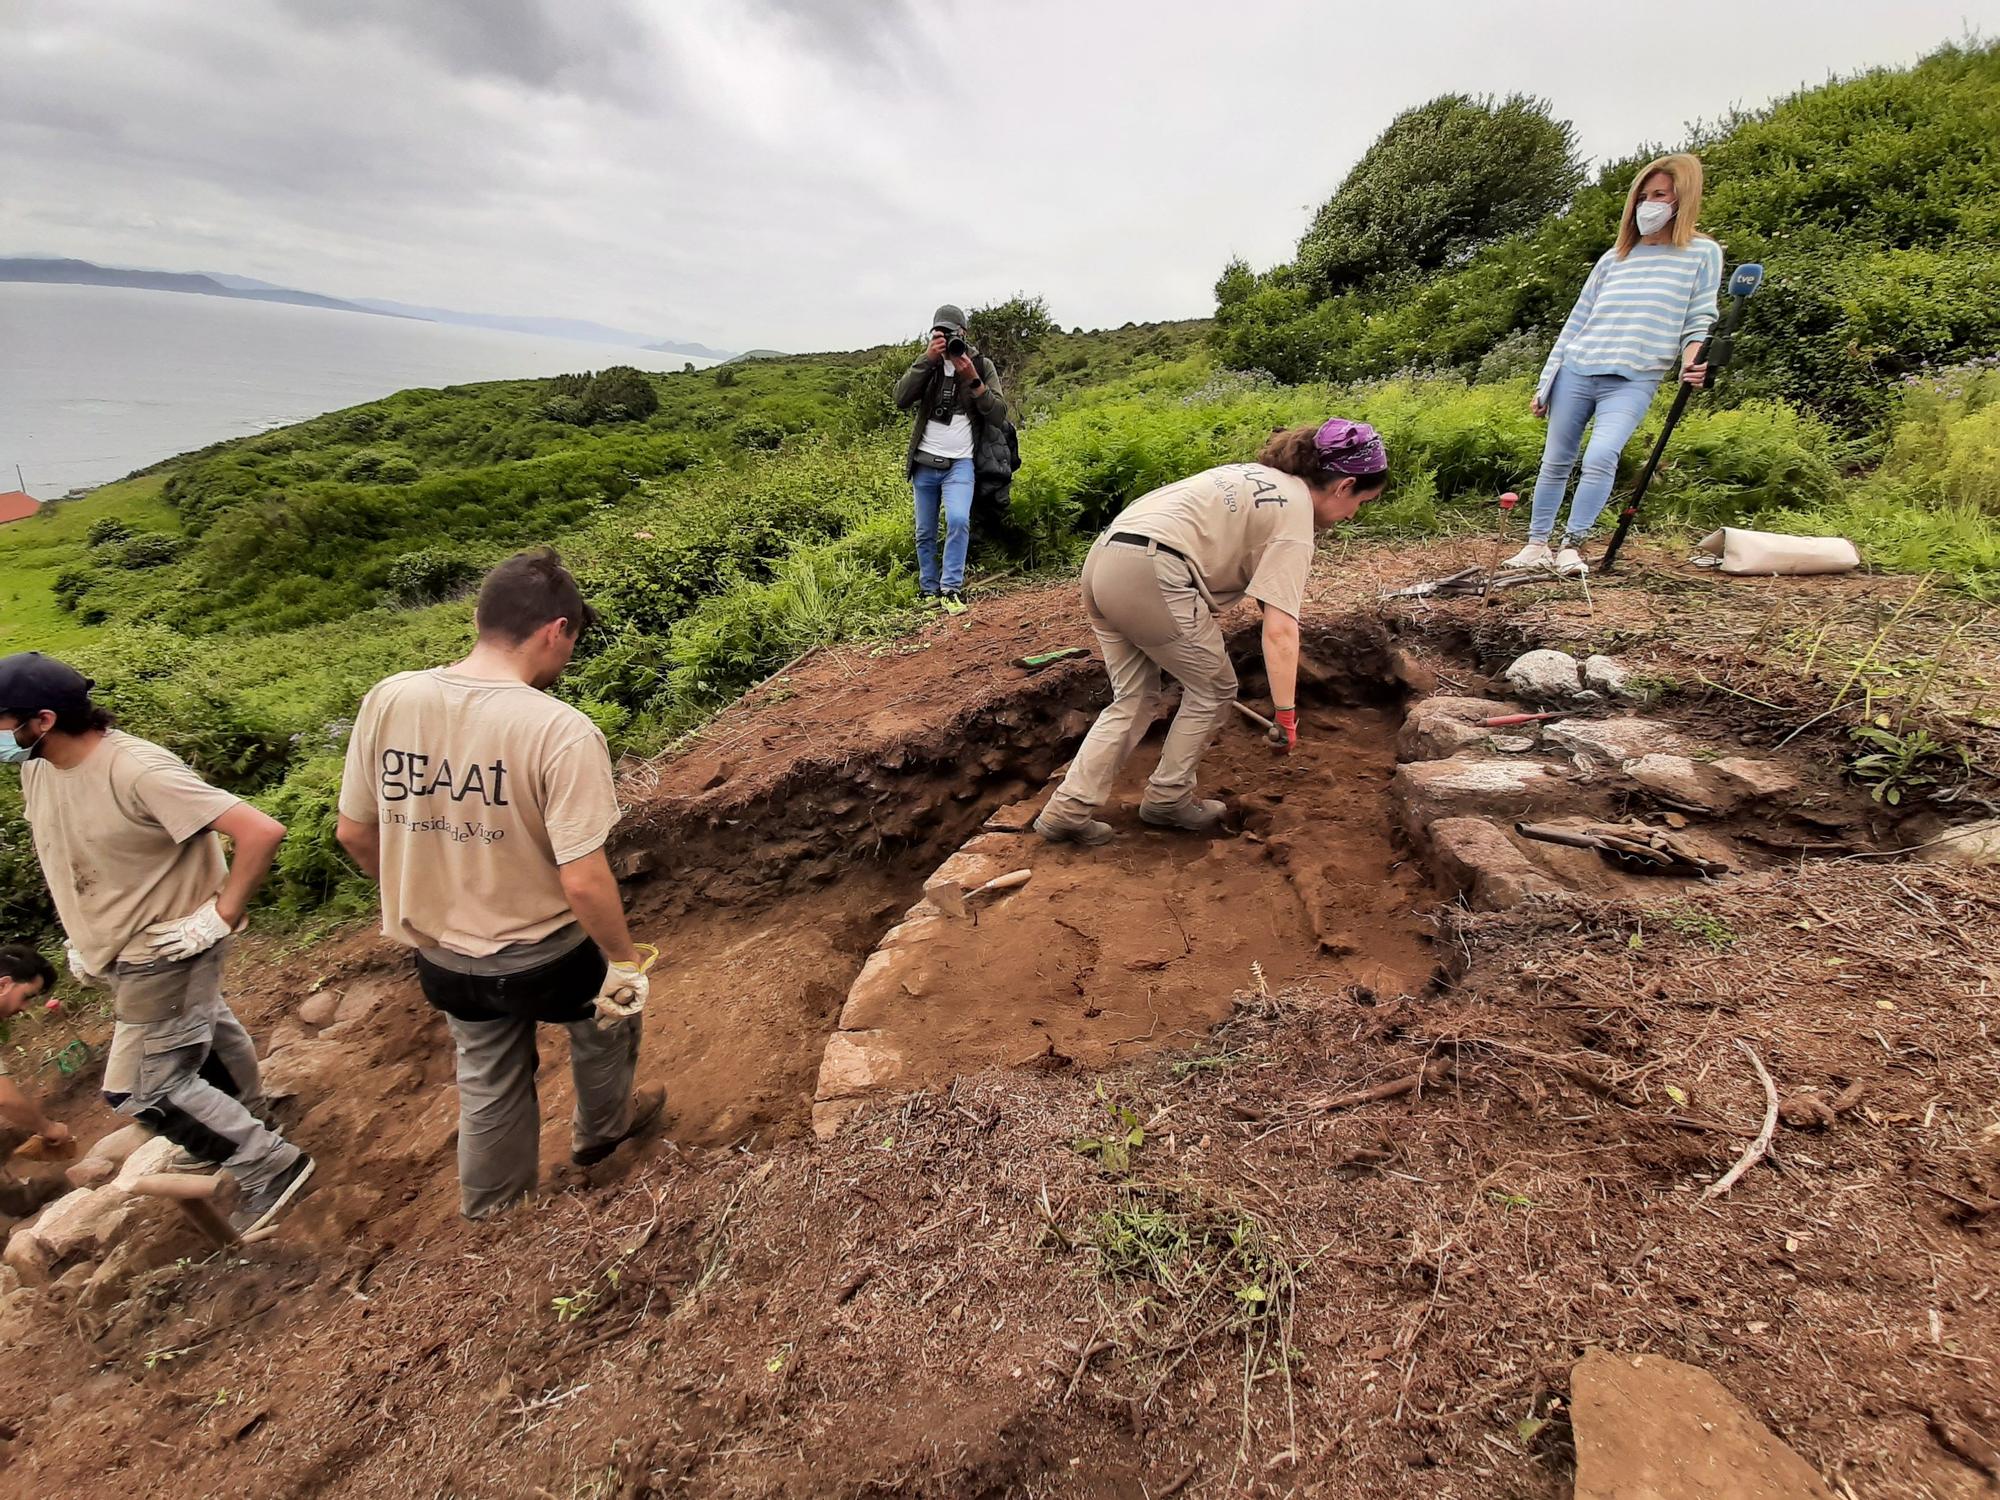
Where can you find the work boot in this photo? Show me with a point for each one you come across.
(260, 1209)
(1090, 831)
(1570, 564)
(646, 1106)
(1196, 815)
(1534, 555)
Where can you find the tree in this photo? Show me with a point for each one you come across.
(1443, 180)
(1008, 332)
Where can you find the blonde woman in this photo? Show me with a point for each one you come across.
(1649, 301)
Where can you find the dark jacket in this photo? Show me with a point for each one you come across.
(995, 448)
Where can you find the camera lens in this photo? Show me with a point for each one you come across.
(954, 346)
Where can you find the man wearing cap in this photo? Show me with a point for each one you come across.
(956, 396)
(1151, 588)
(127, 836)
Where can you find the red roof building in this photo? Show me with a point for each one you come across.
(17, 505)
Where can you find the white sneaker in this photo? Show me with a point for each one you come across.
(1570, 563)
(1534, 555)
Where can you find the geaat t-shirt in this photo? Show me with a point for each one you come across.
(1245, 528)
(482, 788)
(121, 841)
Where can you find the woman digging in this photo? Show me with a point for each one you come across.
(1151, 587)
(1648, 302)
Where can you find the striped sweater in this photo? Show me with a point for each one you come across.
(1635, 315)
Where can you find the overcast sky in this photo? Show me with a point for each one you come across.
(805, 174)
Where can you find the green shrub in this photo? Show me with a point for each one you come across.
(430, 575)
(151, 549)
(105, 530)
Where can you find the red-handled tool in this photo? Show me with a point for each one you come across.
(1508, 721)
(1507, 503)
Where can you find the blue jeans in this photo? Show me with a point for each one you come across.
(952, 487)
(1618, 403)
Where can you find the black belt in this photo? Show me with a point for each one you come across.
(1146, 541)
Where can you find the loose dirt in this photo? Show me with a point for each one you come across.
(1294, 1280)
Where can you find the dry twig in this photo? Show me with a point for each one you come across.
(1758, 1147)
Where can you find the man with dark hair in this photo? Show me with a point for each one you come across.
(480, 805)
(128, 841)
(25, 976)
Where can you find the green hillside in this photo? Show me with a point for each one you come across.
(234, 603)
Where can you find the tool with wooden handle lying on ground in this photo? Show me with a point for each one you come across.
(1643, 850)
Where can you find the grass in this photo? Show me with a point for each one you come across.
(33, 551)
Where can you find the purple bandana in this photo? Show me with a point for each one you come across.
(1349, 447)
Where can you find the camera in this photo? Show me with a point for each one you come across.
(954, 346)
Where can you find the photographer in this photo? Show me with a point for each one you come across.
(959, 409)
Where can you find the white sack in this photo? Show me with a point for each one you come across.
(1767, 552)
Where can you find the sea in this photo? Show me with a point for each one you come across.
(98, 381)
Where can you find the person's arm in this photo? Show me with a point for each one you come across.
(1281, 657)
(19, 1112)
(592, 892)
(910, 388)
(1703, 308)
(363, 843)
(255, 837)
(1579, 315)
(983, 391)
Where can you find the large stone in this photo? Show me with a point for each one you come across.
(856, 1062)
(305, 1067)
(360, 998)
(1443, 726)
(1477, 858)
(1973, 846)
(1649, 1428)
(1612, 742)
(319, 1009)
(1607, 675)
(1685, 782)
(1755, 780)
(119, 1144)
(26, 1257)
(77, 1223)
(1545, 676)
(1466, 785)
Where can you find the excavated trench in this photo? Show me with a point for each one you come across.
(804, 968)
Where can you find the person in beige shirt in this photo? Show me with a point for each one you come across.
(1151, 588)
(481, 805)
(130, 844)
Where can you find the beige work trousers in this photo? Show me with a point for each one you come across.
(1149, 616)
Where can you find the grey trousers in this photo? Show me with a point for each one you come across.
(1147, 614)
(181, 1064)
(500, 1118)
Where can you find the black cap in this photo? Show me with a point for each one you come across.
(31, 682)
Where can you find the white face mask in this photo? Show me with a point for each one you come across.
(1653, 217)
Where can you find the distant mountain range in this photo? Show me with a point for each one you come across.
(249, 288)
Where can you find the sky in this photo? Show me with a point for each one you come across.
(811, 174)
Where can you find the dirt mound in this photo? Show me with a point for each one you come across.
(1348, 1239)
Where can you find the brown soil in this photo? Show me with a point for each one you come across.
(941, 1300)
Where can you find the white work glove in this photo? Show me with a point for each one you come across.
(625, 988)
(191, 936)
(77, 971)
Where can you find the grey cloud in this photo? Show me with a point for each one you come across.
(545, 44)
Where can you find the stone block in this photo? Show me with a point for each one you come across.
(1650, 1428)
(1439, 727)
(1684, 781)
(1478, 858)
(855, 1063)
(1756, 780)
(318, 1009)
(1466, 786)
(1612, 742)
(1545, 676)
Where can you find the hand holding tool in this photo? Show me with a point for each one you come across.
(625, 988)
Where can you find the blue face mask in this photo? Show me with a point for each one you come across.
(12, 751)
